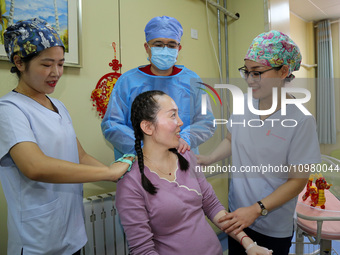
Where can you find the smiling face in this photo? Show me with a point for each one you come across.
(167, 126)
(41, 74)
(263, 89)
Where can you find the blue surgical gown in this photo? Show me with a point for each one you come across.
(183, 88)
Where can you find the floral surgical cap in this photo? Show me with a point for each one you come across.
(274, 49)
(30, 36)
(163, 27)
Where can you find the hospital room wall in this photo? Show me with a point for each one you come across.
(302, 33)
(103, 24)
(100, 27)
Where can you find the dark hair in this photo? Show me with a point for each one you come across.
(25, 60)
(146, 107)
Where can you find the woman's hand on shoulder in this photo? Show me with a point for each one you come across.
(120, 166)
(183, 146)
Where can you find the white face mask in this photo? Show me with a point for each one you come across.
(163, 58)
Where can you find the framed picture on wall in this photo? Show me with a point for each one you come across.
(63, 15)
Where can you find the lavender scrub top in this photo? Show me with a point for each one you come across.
(173, 220)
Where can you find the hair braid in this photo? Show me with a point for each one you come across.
(145, 107)
(183, 163)
(146, 183)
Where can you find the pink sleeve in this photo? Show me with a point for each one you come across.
(211, 204)
(130, 202)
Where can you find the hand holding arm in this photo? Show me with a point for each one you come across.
(240, 219)
(249, 245)
(244, 217)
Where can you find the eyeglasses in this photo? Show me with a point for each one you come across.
(255, 75)
(171, 45)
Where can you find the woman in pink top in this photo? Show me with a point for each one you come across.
(162, 201)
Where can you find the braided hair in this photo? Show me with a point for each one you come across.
(145, 107)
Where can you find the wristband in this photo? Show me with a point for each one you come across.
(242, 238)
(251, 246)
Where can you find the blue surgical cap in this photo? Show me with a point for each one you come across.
(28, 37)
(163, 27)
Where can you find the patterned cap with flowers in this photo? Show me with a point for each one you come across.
(30, 36)
(274, 49)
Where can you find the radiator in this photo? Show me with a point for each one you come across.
(104, 231)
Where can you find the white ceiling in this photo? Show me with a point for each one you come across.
(314, 10)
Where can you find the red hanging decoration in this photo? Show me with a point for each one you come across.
(101, 94)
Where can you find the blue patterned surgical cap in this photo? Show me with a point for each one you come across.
(29, 37)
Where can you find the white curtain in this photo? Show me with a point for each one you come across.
(325, 85)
